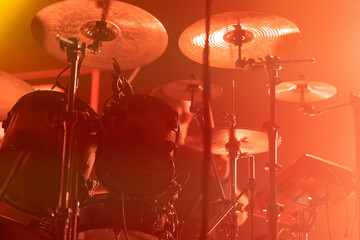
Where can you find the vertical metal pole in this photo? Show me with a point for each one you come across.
(64, 211)
(207, 123)
(272, 135)
(95, 84)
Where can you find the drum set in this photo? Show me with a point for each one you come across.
(54, 142)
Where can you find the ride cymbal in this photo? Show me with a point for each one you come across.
(264, 34)
(12, 88)
(252, 141)
(183, 89)
(129, 34)
(304, 91)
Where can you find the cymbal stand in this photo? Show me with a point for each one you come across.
(273, 67)
(233, 148)
(66, 217)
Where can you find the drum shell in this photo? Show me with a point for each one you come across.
(35, 125)
(144, 217)
(136, 144)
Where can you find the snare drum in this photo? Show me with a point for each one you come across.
(134, 154)
(101, 218)
(35, 126)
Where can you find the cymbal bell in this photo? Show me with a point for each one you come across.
(312, 91)
(264, 34)
(129, 34)
(12, 88)
(183, 89)
(252, 141)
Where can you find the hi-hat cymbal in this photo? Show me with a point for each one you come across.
(265, 34)
(312, 91)
(12, 88)
(252, 141)
(183, 89)
(132, 36)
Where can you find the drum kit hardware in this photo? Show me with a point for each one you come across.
(53, 140)
(263, 34)
(304, 91)
(190, 90)
(129, 34)
(305, 187)
(252, 141)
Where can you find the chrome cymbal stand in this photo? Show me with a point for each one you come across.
(66, 214)
(272, 66)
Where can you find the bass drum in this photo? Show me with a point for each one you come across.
(135, 149)
(101, 217)
(34, 126)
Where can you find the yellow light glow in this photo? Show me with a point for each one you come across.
(11, 11)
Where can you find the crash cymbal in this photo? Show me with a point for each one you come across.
(312, 91)
(132, 36)
(182, 89)
(252, 141)
(12, 88)
(265, 34)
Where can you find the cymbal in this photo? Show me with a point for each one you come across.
(12, 89)
(132, 36)
(182, 89)
(252, 141)
(313, 91)
(265, 34)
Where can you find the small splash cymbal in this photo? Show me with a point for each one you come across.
(304, 91)
(252, 141)
(12, 88)
(183, 90)
(129, 34)
(264, 34)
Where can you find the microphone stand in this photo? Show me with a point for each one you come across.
(66, 217)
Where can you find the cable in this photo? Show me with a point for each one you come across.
(355, 217)
(346, 234)
(327, 214)
(57, 83)
(123, 220)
